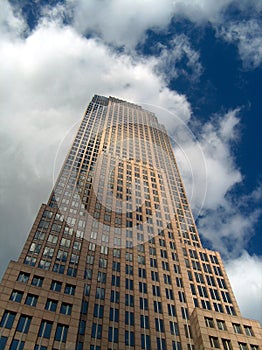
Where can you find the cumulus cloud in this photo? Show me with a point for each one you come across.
(171, 58)
(218, 172)
(245, 274)
(209, 177)
(11, 25)
(247, 35)
(124, 23)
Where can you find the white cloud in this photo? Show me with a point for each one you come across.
(121, 22)
(225, 222)
(180, 49)
(124, 23)
(245, 274)
(216, 176)
(11, 25)
(247, 35)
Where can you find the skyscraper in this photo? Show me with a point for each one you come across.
(114, 259)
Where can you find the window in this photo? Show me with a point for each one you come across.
(8, 319)
(169, 294)
(66, 309)
(218, 307)
(51, 305)
(173, 328)
(90, 259)
(115, 281)
(71, 271)
(62, 255)
(100, 293)
(176, 345)
(202, 291)
(129, 300)
(31, 299)
(184, 313)
(40, 347)
(230, 310)
(214, 294)
(43, 264)
(226, 344)
(16, 296)
(3, 341)
(221, 325)
(158, 307)
(116, 266)
(209, 322)
(182, 297)
(102, 262)
(82, 327)
(17, 345)
(154, 276)
(98, 310)
(161, 344)
(52, 239)
(141, 272)
(145, 342)
(129, 318)
(84, 307)
(144, 321)
(70, 289)
(56, 286)
(237, 328)
(142, 287)
(114, 314)
(242, 346)
(252, 347)
(23, 277)
(114, 296)
(214, 342)
(101, 276)
(61, 333)
(45, 329)
(96, 331)
(171, 310)
(248, 330)
(37, 281)
(226, 297)
(129, 338)
(159, 324)
(205, 304)
(129, 269)
(80, 346)
(156, 290)
(23, 324)
(113, 334)
(143, 303)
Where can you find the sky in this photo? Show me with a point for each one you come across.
(196, 63)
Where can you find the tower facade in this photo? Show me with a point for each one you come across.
(114, 259)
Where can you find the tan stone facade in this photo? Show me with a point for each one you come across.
(114, 259)
(214, 330)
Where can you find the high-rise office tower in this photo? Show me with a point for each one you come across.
(114, 259)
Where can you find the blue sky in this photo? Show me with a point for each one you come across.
(196, 61)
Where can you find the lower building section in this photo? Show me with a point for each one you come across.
(221, 331)
(42, 310)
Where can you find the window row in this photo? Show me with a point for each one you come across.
(24, 322)
(37, 281)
